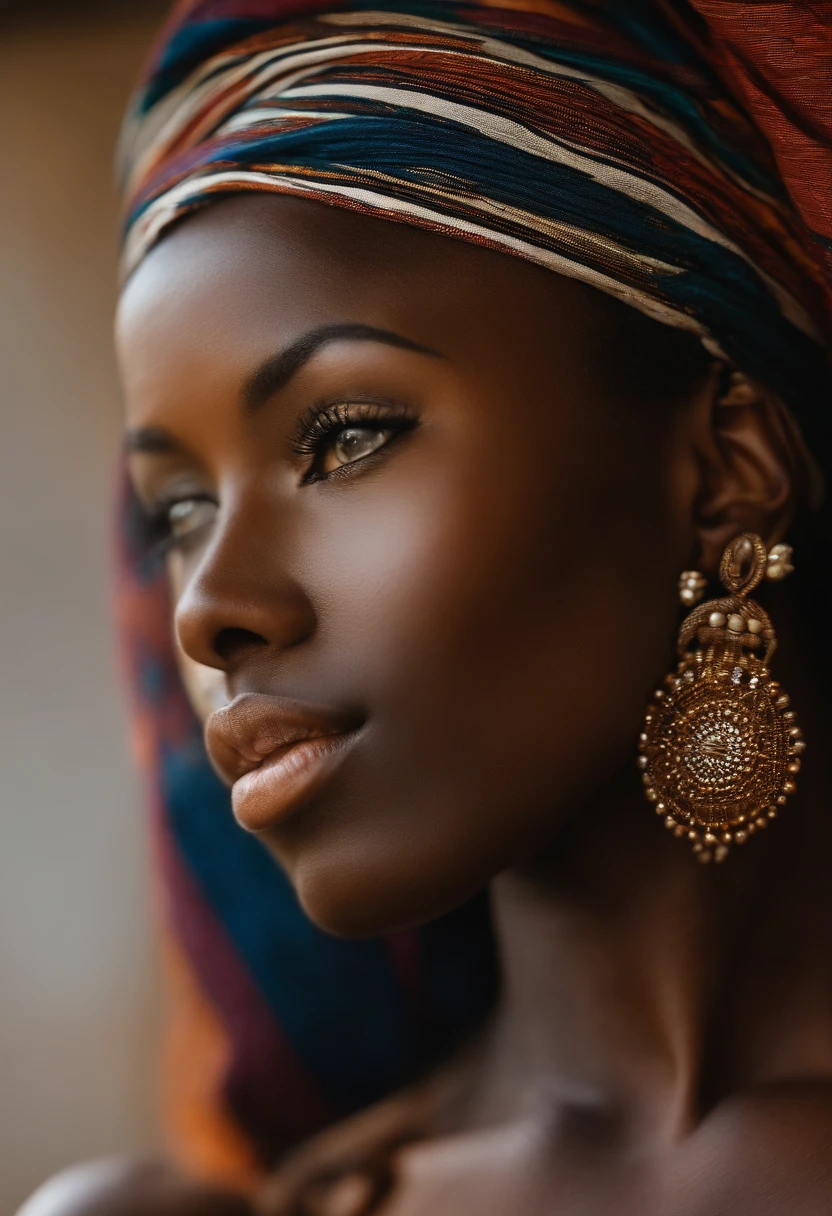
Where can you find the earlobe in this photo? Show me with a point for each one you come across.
(751, 459)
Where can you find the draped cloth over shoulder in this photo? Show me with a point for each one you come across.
(676, 154)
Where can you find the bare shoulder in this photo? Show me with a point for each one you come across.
(767, 1152)
(117, 1187)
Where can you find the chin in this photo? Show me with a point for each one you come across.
(356, 902)
(355, 889)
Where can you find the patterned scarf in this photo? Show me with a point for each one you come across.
(676, 155)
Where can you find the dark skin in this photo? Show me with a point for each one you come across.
(489, 587)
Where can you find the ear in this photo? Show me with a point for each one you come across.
(753, 467)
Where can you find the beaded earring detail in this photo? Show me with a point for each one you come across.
(692, 586)
(721, 745)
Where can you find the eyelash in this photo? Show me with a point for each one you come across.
(319, 425)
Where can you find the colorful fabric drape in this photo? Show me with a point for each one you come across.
(675, 154)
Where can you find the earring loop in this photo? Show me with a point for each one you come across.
(745, 553)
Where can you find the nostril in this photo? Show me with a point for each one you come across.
(229, 642)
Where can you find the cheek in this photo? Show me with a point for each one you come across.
(465, 567)
(506, 618)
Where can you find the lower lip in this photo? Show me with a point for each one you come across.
(286, 780)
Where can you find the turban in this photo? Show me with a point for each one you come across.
(596, 139)
(675, 154)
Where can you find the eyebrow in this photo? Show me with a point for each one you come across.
(276, 371)
(151, 439)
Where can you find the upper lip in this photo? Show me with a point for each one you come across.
(240, 736)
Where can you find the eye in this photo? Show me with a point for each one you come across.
(189, 515)
(351, 444)
(332, 438)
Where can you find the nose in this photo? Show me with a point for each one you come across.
(241, 598)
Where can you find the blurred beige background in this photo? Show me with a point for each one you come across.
(78, 1004)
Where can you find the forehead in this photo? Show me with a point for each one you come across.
(249, 264)
(264, 256)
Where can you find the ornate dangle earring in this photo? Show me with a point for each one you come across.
(721, 745)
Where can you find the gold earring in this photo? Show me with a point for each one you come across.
(721, 745)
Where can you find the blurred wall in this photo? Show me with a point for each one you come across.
(77, 977)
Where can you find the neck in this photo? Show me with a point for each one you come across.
(642, 987)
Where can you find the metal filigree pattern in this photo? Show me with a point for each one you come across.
(721, 745)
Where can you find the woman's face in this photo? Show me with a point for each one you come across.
(411, 510)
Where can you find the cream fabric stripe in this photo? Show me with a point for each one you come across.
(251, 118)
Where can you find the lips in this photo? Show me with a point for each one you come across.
(276, 754)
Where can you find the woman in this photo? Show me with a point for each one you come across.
(450, 336)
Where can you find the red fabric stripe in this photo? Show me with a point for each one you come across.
(776, 58)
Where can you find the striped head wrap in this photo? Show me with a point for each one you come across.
(592, 138)
(676, 154)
